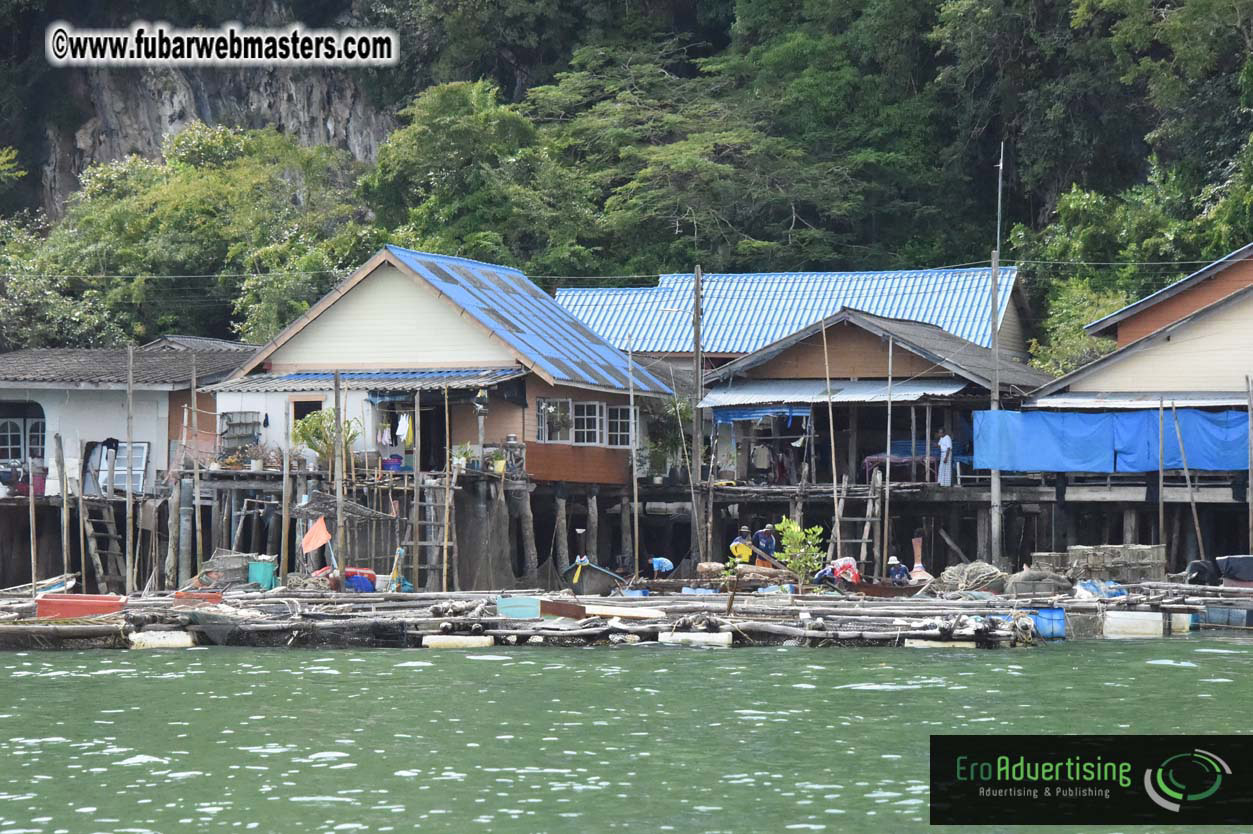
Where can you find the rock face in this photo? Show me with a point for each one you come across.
(133, 110)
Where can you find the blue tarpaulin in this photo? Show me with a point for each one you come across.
(1044, 441)
(732, 414)
(1124, 441)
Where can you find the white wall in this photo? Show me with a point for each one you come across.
(275, 405)
(86, 415)
(1214, 352)
(390, 321)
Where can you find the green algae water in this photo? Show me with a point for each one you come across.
(629, 738)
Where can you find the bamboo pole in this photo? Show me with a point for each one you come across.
(285, 533)
(34, 539)
(1187, 476)
(195, 468)
(82, 524)
(130, 469)
(886, 524)
(447, 484)
(835, 490)
(635, 478)
(1161, 474)
(64, 483)
(699, 543)
(414, 556)
(926, 442)
(340, 556)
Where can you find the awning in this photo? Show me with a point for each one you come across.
(760, 391)
(1141, 400)
(420, 379)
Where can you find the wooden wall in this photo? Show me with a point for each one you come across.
(1233, 278)
(854, 354)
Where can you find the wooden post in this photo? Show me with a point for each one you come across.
(884, 544)
(1161, 474)
(130, 469)
(624, 514)
(635, 478)
(913, 444)
(415, 556)
(835, 490)
(853, 414)
(30, 503)
(198, 542)
(994, 495)
(1130, 526)
(561, 534)
(699, 547)
(926, 442)
(1248, 384)
(173, 526)
(284, 532)
(526, 520)
(1187, 478)
(82, 525)
(593, 527)
(448, 485)
(63, 480)
(340, 532)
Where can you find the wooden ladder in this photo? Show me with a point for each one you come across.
(426, 543)
(105, 545)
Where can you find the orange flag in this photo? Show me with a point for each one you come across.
(317, 536)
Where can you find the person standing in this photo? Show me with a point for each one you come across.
(944, 474)
(764, 540)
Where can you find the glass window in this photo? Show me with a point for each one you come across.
(553, 425)
(36, 434)
(620, 426)
(10, 440)
(589, 423)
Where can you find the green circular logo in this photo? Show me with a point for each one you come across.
(1185, 778)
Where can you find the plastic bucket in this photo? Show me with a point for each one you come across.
(262, 574)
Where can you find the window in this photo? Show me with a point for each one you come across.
(301, 409)
(554, 422)
(620, 426)
(10, 440)
(36, 436)
(589, 424)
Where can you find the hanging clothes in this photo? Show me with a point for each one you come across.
(404, 428)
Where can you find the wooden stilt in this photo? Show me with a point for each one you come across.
(415, 558)
(624, 514)
(884, 544)
(34, 538)
(913, 444)
(285, 515)
(561, 534)
(836, 545)
(926, 442)
(341, 555)
(448, 487)
(530, 553)
(593, 527)
(63, 480)
(82, 527)
(1187, 477)
(130, 469)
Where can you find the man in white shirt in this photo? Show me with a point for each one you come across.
(944, 475)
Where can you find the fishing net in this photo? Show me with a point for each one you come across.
(972, 576)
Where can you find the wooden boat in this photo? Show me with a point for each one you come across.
(879, 589)
(54, 585)
(586, 579)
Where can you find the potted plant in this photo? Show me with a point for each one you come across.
(317, 432)
(496, 460)
(461, 456)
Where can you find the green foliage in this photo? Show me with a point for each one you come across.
(316, 431)
(802, 549)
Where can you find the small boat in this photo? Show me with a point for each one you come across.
(880, 589)
(586, 579)
(54, 585)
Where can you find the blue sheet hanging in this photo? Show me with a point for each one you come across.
(739, 413)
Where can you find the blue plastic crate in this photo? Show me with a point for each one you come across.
(1050, 623)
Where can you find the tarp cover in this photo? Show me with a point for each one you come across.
(732, 414)
(1044, 441)
(1124, 441)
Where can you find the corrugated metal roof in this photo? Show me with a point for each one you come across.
(744, 312)
(107, 366)
(1141, 399)
(529, 320)
(421, 379)
(761, 391)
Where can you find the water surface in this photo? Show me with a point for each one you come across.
(630, 738)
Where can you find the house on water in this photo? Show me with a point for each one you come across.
(442, 358)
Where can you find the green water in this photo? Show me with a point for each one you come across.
(631, 738)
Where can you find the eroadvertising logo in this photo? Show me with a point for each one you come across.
(1103, 780)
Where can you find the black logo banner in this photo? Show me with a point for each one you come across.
(1102, 780)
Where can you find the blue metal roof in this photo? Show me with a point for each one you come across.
(745, 312)
(529, 320)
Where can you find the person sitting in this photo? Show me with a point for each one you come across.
(897, 573)
(742, 545)
(765, 541)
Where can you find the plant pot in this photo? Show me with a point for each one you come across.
(498, 466)
(459, 463)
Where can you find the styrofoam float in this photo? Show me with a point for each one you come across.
(161, 640)
(695, 638)
(458, 641)
(1143, 623)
